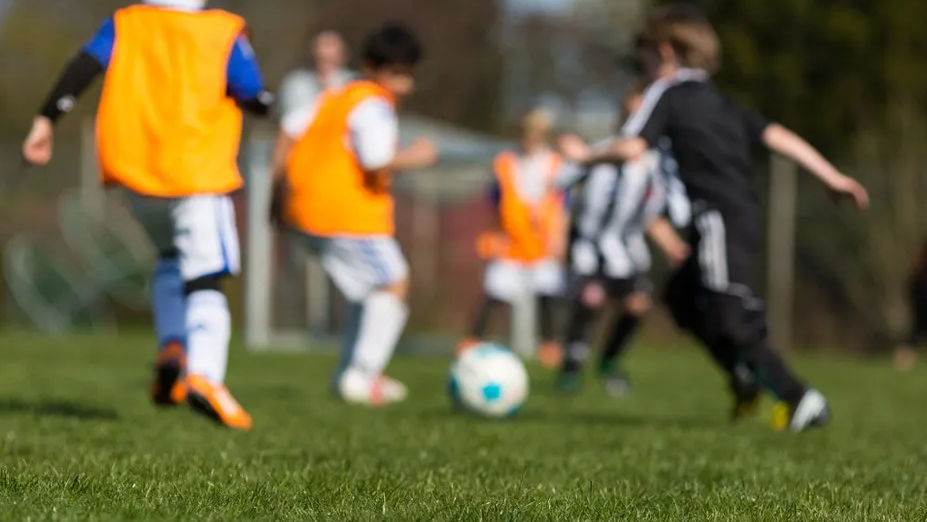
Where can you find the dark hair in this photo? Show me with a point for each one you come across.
(391, 44)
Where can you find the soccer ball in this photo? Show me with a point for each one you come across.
(488, 380)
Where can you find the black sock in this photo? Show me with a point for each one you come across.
(620, 335)
(576, 347)
(772, 372)
(547, 316)
(725, 356)
(487, 308)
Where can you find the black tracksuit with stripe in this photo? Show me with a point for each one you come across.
(711, 295)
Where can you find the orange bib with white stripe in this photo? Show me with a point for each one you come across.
(532, 231)
(165, 125)
(328, 192)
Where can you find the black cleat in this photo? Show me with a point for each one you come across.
(569, 380)
(167, 388)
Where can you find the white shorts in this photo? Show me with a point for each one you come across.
(200, 230)
(359, 265)
(506, 280)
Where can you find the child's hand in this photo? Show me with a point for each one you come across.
(573, 148)
(421, 153)
(677, 252)
(847, 187)
(38, 147)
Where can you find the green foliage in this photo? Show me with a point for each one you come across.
(33, 47)
(822, 67)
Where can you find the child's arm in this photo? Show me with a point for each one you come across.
(780, 139)
(374, 134)
(664, 235)
(88, 64)
(420, 154)
(617, 150)
(641, 132)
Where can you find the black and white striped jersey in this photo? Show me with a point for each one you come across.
(612, 205)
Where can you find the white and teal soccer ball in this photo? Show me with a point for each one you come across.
(488, 380)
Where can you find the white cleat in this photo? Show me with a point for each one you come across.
(812, 412)
(356, 387)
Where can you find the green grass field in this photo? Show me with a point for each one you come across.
(79, 441)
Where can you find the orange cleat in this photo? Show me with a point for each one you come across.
(550, 355)
(216, 403)
(168, 388)
(464, 345)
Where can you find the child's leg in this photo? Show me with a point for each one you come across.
(590, 299)
(550, 353)
(547, 317)
(733, 314)
(489, 306)
(207, 240)
(373, 275)
(168, 301)
(500, 287)
(350, 330)
(549, 286)
(636, 305)
(168, 308)
(576, 345)
(905, 355)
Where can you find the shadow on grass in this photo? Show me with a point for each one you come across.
(589, 418)
(626, 420)
(56, 408)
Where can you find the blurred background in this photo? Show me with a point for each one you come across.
(847, 74)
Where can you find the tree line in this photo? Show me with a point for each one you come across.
(847, 74)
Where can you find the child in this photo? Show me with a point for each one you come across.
(905, 354)
(530, 243)
(712, 140)
(177, 164)
(335, 196)
(608, 253)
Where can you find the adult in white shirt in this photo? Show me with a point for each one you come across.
(300, 89)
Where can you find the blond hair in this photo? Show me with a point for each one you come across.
(537, 120)
(686, 30)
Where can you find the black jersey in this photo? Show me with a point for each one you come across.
(711, 137)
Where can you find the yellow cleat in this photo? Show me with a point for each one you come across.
(781, 416)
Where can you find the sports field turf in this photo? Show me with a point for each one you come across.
(79, 441)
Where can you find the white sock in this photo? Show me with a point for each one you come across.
(381, 325)
(209, 329)
(168, 303)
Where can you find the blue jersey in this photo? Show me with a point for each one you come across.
(244, 75)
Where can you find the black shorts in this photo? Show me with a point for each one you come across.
(711, 295)
(614, 289)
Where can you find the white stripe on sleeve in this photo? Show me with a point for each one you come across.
(652, 96)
